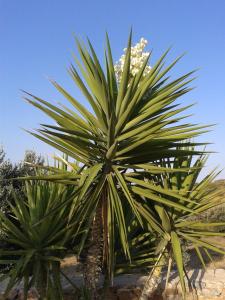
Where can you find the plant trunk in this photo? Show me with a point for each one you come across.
(42, 283)
(94, 254)
(153, 280)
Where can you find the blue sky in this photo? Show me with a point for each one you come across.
(36, 42)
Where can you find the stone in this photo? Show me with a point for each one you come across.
(128, 294)
(207, 284)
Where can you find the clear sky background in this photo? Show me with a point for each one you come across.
(36, 42)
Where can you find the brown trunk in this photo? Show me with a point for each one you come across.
(153, 280)
(94, 254)
(42, 283)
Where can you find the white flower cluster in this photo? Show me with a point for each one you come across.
(138, 57)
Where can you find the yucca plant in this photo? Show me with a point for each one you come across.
(38, 235)
(179, 225)
(132, 124)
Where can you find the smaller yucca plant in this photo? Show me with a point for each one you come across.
(183, 201)
(38, 238)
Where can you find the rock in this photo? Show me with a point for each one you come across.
(128, 294)
(157, 297)
(207, 285)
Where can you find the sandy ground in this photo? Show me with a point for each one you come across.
(73, 270)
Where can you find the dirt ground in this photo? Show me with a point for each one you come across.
(72, 268)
